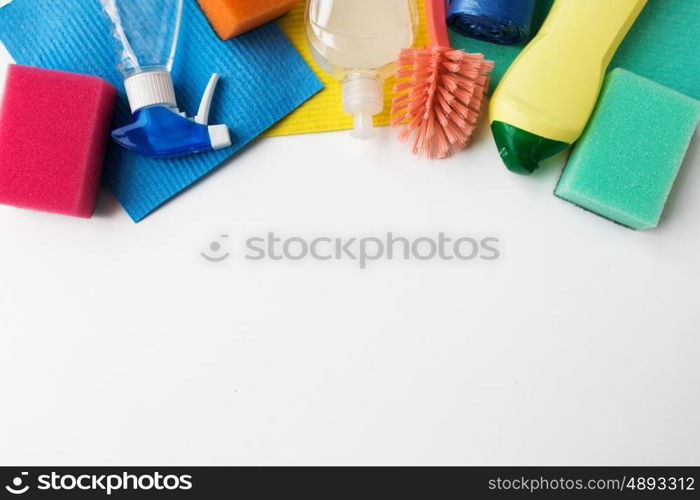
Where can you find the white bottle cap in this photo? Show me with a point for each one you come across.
(150, 88)
(363, 97)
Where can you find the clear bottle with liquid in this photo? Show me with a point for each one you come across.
(358, 42)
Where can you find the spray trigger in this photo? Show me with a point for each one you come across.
(160, 128)
(205, 105)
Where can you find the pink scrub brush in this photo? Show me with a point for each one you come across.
(440, 91)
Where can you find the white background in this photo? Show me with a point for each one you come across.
(120, 345)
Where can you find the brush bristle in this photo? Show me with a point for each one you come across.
(439, 95)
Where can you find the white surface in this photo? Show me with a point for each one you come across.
(119, 344)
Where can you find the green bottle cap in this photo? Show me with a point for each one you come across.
(521, 150)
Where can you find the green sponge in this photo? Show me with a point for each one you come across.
(624, 165)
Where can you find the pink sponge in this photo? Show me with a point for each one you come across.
(53, 132)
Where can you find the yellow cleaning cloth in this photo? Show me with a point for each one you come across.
(324, 111)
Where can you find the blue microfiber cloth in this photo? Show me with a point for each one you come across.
(263, 79)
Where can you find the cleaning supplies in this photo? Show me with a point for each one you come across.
(263, 63)
(146, 34)
(440, 91)
(625, 164)
(358, 42)
(231, 18)
(507, 22)
(324, 112)
(54, 129)
(545, 99)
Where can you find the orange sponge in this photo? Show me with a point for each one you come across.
(231, 18)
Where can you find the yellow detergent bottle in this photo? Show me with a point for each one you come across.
(546, 97)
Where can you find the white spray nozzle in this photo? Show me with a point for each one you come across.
(219, 136)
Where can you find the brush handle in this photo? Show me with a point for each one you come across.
(436, 13)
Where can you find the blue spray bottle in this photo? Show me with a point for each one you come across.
(146, 34)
